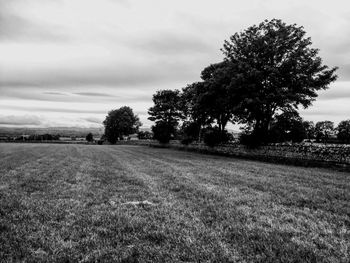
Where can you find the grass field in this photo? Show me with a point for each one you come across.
(71, 203)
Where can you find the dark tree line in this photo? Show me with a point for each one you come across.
(268, 72)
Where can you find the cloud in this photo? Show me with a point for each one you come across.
(344, 72)
(37, 96)
(93, 94)
(59, 110)
(109, 74)
(19, 120)
(86, 57)
(337, 91)
(54, 93)
(93, 120)
(16, 27)
(165, 43)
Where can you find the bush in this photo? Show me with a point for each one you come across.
(144, 135)
(249, 139)
(186, 140)
(89, 137)
(213, 137)
(162, 132)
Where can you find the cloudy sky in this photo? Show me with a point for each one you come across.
(68, 62)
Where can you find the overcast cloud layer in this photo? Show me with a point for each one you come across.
(68, 62)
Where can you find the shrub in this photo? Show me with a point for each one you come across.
(186, 140)
(89, 137)
(213, 137)
(249, 139)
(162, 132)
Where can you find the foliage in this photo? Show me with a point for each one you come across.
(309, 128)
(287, 126)
(166, 107)
(268, 69)
(193, 103)
(343, 129)
(41, 137)
(166, 113)
(323, 131)
(190, 132)
(120, 122)
(275, 69)
(144, 135)
(214, 136)
(89, 137)
(249, 139)
(163, 131)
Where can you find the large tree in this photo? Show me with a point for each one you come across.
(275, 70)
(218, 98)
(210, 101)
(120, 122)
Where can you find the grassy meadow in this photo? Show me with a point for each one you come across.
(87, 203)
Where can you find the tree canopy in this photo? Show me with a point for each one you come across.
(275, 69)
(268, 70)
(344, 131)
(120, 122)
(89, 137)
(166, 113)
(323, 130)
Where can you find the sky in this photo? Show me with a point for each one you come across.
(69, 62)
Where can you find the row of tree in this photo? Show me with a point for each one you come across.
(291, 127)
(268, 72)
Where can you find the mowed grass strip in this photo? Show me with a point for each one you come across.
(87, 203)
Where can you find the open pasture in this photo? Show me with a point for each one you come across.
(86, 203)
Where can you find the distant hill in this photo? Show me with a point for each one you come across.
(62, 131)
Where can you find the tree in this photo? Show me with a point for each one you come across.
(162, 131)
(287, 126)
(214, 136)
(343, 129)
(166, 113)
(211, 99)
(274, 70)
(190, 131)
(309, 128)
(144, 135)
(119, 123)
(89, 137)
(218, 100)
(324, 130)
(193, 105)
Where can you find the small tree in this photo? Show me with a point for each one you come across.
(119, 123)
(214, 136)
(324, 130)
(162, 131)
(190, 132)
(144, 135)
(343, 130)
(287, 126)
(166, 113)
(89, 137)
(309, 128)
